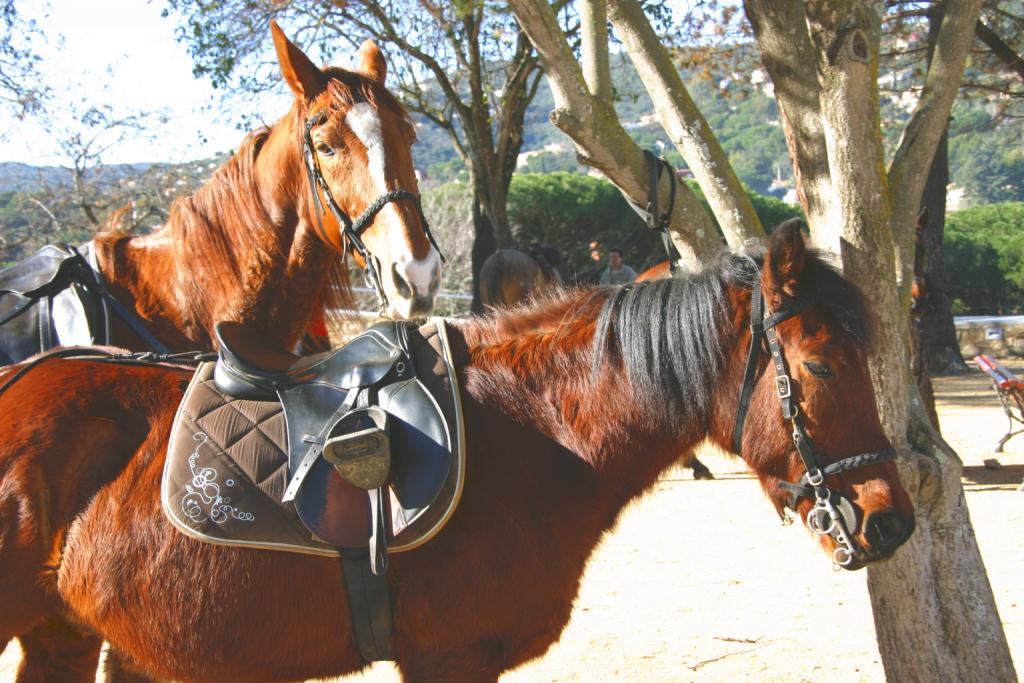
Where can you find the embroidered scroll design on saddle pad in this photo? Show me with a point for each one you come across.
(228, 463)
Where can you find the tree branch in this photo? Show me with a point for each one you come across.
(1010, 59)
(909, 168)
(780, 28)
(599, 136)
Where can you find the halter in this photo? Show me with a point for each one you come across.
(832, 514)
(351, 231)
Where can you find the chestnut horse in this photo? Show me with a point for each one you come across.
(254, 245)
(260, 244)
(573, 407)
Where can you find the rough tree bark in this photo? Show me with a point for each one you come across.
(594, 48)
(934, 611)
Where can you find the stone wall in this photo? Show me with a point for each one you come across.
(992, 337)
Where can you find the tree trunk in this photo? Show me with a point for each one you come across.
(937, 345)
(940, 350)
(935, 615)
(484, 245)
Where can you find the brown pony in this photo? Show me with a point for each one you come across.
(250, 244)
(514, 276)
(573, 408)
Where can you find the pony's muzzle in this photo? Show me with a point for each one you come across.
(887, 530)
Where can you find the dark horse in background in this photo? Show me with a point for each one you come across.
(514, 276)
(253, 246)
(573, 408)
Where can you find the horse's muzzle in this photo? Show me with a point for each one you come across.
(884, 532)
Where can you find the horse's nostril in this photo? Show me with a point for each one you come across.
(401, 286)
(888, 530)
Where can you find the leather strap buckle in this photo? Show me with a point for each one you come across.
(782, 387)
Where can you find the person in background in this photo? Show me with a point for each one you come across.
(617, 272)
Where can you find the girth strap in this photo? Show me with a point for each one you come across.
(369, 605)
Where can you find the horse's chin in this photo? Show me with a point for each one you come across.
(409, 309)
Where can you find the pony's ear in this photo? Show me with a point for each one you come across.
(371, 61)
(784, 260)
(302, 76)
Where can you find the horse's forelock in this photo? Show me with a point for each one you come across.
(351, 87)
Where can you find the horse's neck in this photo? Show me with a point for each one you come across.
(543, 381)
(271, 269)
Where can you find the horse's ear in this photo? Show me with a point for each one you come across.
(371, 61)
(784, 260)
(302, 76)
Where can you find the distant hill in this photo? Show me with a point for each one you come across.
(19, 177)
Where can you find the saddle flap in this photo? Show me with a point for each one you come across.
(44, 303)
(420, 443)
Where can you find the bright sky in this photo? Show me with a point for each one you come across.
(123, 53)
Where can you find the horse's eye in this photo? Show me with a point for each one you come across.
(325, 149)
(818, 369)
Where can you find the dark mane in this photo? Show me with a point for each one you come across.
(669, 334)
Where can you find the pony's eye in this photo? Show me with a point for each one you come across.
(325, 149)
(818, 369)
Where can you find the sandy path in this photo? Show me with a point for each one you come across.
(700, 582)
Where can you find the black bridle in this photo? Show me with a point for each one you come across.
(832, 514)
(352, 230)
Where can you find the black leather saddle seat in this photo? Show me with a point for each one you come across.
(250, 369)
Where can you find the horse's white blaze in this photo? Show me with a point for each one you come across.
(421, 275)
(363, 120)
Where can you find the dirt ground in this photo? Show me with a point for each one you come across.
(700, 582)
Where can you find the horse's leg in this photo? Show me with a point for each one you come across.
(118, 669)
(700, 470)
(57, 651)
(480, 664)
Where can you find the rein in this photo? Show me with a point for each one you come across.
(832, 514)
(651, 213)
(99, 355)
(352, 230)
